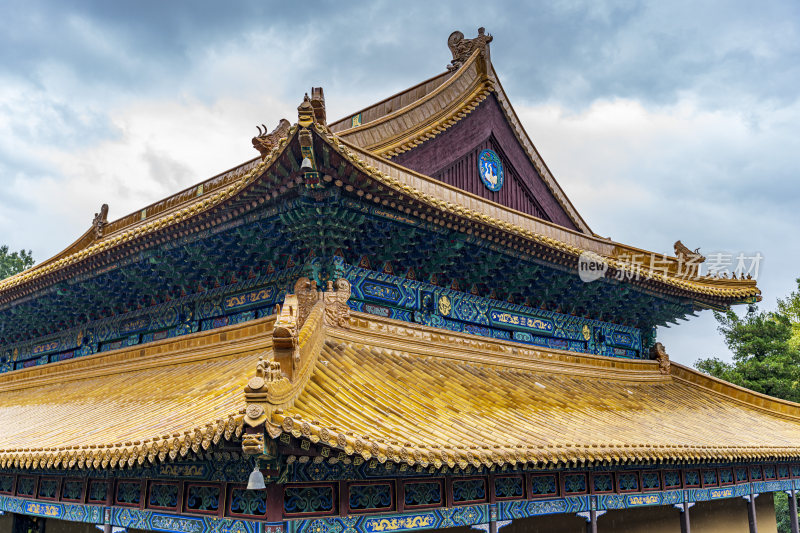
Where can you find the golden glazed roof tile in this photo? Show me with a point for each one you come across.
(387, 390)
(405, 393)
(151, 403)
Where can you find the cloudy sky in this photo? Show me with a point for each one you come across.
(662, 120)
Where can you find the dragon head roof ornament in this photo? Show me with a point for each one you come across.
(265, 142)
(100, 220)
(463, 48)
(684, 253)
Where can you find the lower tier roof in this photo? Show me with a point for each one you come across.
(392, 391)
(149, 402)
(417, 395)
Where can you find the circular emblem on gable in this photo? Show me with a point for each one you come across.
(490, 169)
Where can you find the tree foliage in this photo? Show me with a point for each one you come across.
(14, 262)
(766, 359)
(766, 349)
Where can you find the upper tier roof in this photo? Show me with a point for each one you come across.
(213, 200)
(393, 126)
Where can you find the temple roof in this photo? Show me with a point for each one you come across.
(412, 394)
(388, 390)
(180, 214)
(393, 126)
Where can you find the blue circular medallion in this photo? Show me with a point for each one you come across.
(491, 170)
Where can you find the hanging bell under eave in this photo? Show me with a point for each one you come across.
(256, 481)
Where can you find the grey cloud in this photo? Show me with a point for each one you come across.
(170, 173)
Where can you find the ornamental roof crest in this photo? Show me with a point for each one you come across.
(463, 48)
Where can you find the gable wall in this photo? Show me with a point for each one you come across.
(452, 158)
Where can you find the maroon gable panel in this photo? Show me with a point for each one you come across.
(452, 157)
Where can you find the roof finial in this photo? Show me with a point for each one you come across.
(305, 112)
(463, 48)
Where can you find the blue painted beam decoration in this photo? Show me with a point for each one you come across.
(394, 297)
(314, 506)
(467, 515)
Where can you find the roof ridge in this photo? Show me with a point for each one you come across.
(428, 341)
(457, 75)
(350, 116)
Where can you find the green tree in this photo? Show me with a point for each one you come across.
(11, 263)
(766, 359)
(790, 308)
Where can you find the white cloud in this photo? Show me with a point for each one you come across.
(650, 176)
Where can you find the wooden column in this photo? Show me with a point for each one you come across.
(793, 510)
(591, 519)
(274, 502)
(492, 517)
(591, 524)
(751, 512)
(685, 522)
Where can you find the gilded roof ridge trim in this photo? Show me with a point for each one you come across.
(439, 121)
(350, 116)
(428, 341)
(309, 339)
(166, 352)
(165, 219)
(417, 103)
(348, 150)
(435, 129)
